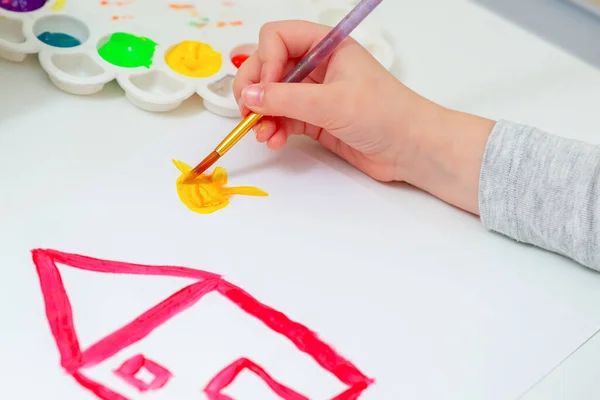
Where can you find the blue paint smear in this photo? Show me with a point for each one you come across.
(58, 39)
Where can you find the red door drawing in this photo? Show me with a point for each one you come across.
(76, 360)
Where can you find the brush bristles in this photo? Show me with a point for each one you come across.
(208, 162)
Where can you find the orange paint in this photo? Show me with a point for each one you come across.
(209, 193)
(223, 24)
(122, 17)
(182, 6)
(116, 3)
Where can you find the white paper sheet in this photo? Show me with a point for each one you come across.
(425, 315)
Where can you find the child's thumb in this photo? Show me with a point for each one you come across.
(307, 102)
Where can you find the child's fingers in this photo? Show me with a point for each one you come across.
(248, 74)
(284, 128)
(278, 140)
(265, 129)
(280, 40)
(322, 105)
(292, 127)
(283, 40)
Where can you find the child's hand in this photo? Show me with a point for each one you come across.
(350, 104)
(358, 110)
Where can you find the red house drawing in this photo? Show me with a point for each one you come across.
(74, 359)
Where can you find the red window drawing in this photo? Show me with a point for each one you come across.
(74, 359)
(130, 368)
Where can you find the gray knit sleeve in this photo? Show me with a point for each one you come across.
(542, 189)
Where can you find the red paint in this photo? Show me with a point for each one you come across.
(101, 391)
(305, 340)
(73, 359)
(239, 59)
(228, 374)
(128, 370)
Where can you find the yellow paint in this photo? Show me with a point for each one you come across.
(208, 193)
(58, 5)
(194, 59)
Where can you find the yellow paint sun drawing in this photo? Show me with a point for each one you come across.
(209, 193)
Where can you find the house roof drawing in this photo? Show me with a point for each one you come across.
(73, 358)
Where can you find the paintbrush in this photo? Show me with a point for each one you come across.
(311, 60)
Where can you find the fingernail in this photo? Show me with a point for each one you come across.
(253, 95)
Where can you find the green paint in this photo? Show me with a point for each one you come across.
(128, 51)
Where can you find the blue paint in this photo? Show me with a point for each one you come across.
(59, 39)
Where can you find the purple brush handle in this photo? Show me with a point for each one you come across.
(321, 51)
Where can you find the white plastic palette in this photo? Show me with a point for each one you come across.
(229, 27)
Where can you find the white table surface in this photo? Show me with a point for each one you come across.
(456, 53)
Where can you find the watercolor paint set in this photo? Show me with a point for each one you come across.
(160, 52)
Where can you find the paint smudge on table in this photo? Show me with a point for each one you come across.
(182, 6)
(121, 17)
(223, 24)
(194, 59)
(117, 16)
(116, 3)
(203, 22)
(128, 51)
(209, 193)
(200, 21)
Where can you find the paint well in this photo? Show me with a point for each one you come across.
(61, 31)
(194, 59)
(239, 59)
(79, 64)
(241, 53)
(156, 82)
(223, 87)
(11, 30)
(22, 5)
(127, 50)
